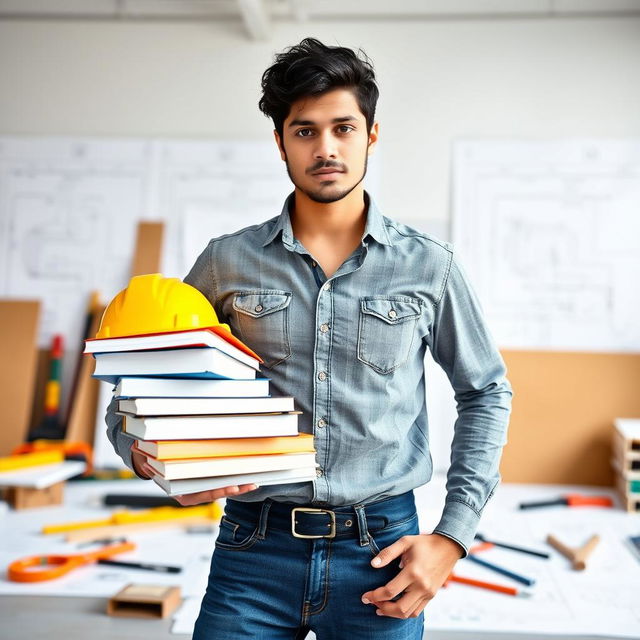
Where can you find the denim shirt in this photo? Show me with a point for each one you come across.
(350, 349)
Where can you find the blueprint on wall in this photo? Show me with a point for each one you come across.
(549, 232)
(69, 210)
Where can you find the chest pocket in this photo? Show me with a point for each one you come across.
(263, 321)
(386, 330)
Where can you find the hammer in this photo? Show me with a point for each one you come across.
(577, 555)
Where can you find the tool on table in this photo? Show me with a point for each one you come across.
(571, 500)
(505, 572)
(147, 566)
(70, 450)
(512, 547)
(578, 555)
(494, 567)
(212, 510)
(135, 500)
(511, 591)
(39, 568)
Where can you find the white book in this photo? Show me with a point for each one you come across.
(202, 406)
(43, 475)
(170, 340)
(182, 388)
(206, 362)
(208, 427)
(262, 479)
(205, 467)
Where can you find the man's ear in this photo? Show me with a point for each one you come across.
(283, 154)
(373, 138)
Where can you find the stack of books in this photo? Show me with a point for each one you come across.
(200, 412)
(626, 461)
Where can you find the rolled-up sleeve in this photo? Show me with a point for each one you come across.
(462, 345)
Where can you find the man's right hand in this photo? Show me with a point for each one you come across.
(144, 469)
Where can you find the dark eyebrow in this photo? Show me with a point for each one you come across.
(310, 123)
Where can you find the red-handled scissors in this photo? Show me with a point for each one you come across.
(38, 568)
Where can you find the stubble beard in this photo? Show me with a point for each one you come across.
(321, 195)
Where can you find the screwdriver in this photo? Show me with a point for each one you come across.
(571, 500)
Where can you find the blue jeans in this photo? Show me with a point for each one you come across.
(267, 584)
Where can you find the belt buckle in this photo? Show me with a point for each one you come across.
(295, 534)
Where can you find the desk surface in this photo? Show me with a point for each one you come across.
(606, 590)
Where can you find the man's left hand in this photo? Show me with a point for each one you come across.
(426, 561)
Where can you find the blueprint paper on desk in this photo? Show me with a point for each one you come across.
(599, 601)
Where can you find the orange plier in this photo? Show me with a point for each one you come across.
(39, 568)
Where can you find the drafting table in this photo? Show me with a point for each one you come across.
(605, 591)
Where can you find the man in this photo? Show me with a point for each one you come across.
(342, 303)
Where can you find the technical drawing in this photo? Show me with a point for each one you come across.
(550, 235)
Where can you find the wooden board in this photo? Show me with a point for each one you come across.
(564, 405)
(82, 417)
(148, 249)
(18, 345)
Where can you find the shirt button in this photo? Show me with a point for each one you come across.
(313, 263)
(324, 327)
(322, 376)
(259, 308)
(319, 473)
(322, 423)
(326, 286)
(392, 313)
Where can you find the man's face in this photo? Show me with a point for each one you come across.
(326, 144)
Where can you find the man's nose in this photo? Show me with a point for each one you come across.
(325, 147)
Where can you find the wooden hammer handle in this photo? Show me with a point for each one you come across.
(577, 556)
(581, 554)
(559, 546)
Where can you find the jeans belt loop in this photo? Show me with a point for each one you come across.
(362, 525)
(262, 523)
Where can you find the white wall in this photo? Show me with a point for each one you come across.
(438, 80)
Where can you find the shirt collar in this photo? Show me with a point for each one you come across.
(374, 227)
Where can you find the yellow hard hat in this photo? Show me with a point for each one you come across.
(155, 304)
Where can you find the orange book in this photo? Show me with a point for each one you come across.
(226, 447)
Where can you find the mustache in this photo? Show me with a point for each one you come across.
(337, 167)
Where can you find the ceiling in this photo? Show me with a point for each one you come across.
(259, 16)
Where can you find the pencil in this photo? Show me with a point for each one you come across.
(511, 591)
(141, 565)
(505, 572)
(513, 547)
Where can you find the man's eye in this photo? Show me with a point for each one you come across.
(344, 128)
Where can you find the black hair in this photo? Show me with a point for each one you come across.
(311, 68)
